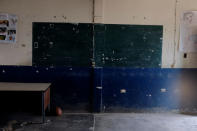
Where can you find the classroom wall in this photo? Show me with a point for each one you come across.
(191, 61)
(74, 87)
(30, 11)
(156, 12)
(151, 12)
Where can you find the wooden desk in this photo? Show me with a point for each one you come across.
(30, 87)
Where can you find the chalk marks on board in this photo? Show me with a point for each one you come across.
(71, 44)
(62, 44)
(128, 45)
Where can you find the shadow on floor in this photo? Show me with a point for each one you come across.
(31, 122)
(146, 121)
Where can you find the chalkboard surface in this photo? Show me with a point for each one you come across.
(71, 45)
(62, 44)
(128, 45)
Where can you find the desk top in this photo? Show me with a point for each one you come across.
(10, 86)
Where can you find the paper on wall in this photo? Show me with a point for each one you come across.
(188, 32)
(8, 28)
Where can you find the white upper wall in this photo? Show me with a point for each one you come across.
(144, 12)
(30, 11)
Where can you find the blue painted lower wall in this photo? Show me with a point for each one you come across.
(145, 89)
(99, 89)
(71, 87)
(142, 88)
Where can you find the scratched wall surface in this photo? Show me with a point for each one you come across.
(128, 45)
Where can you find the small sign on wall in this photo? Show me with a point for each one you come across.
(8, 28)
(188, 32)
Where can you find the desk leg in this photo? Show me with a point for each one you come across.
(43, 107)
(47, 100)
(49, 106)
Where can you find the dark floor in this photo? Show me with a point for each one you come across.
(108, 122)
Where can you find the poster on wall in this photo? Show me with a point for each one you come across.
(8, 28)
(188, 32)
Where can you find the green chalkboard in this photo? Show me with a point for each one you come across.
(62, 44)
(72, 45)
(128, 45)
